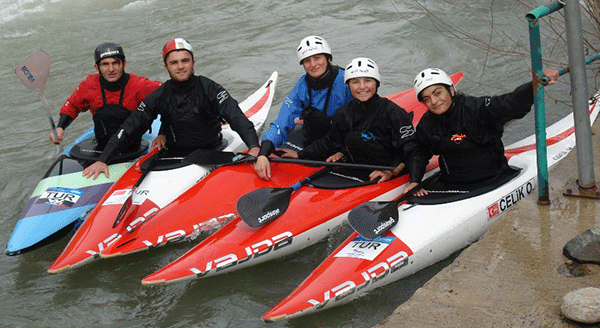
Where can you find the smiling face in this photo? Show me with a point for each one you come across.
(362, 88)
(180, 65)
(111, 68)
(315, 65)
(437, 98)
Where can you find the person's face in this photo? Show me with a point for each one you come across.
(180, 65)
(437, 98)
(111, 68)
(315, 65)
(362, 88)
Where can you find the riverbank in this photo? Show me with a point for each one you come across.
(510, 277)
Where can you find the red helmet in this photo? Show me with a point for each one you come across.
(176, 44)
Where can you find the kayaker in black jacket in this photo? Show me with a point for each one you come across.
(370, 129)
(191, 109)
(466, 131)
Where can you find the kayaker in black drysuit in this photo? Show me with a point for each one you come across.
(370, 129)
(191, 107)
(466, 131)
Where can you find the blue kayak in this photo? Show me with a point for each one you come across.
(63, 197)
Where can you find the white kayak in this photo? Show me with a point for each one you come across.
(424, 234)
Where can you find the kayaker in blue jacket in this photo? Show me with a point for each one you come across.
(369, 130)
(466, 131)
(316, 96)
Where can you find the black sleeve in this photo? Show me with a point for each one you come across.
(64, 121)
(512, 105)
(134, 126)
(229, 109)
(266, 148)
(408, 147)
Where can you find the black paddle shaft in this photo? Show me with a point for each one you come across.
(213, 157)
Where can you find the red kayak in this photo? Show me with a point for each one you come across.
(312, 214)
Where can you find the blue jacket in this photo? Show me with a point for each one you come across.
(298, 99)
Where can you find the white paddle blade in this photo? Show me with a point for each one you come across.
(34, 70)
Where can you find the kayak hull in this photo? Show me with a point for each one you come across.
(422, 236)
(61, 200)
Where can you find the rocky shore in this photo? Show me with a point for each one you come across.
(516, 275)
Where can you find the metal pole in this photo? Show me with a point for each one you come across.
(583, 132)
(538, 97)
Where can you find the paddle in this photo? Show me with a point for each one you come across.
(267, 204)
(213, 157)
(371, 219)
(33, 72)
(151, 162)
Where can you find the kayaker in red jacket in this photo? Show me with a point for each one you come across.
(191, 107)
(466, 131)
(111, 95)
(369, 130)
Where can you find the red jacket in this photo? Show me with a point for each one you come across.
(88, 95)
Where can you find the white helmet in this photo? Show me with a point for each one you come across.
(312, 45)
(429, 77)
(362, 67)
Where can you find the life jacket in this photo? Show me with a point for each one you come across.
(109, 117)
(316, 121)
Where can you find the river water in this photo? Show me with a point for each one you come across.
(238, 44)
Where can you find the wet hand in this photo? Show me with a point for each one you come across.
(262, 166)
(159, 141)
(552, 75)
(383, 176)
(335, 157)
(60, 132)
(419, 193)
(95, 170)
(288, 153)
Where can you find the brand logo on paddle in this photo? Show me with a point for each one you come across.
(390, 222)
(28, 74)
(268, 215)
(65, 197)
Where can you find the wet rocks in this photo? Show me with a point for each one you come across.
(582, 305)
(584, 248)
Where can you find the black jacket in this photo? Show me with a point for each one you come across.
(374, 132)
(191, 116)
(468, 137)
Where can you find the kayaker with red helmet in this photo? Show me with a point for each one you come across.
(111, 95)
(316, 96)
(191, 107)
(466, 131)
(370, 129)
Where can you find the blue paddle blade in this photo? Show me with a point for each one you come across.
(372, 219)
(263, 205)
